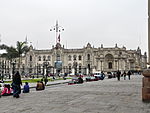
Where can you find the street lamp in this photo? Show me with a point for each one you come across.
(75, 64)
(119, 57)
(46, 65)
(37, 70)
(13, 67)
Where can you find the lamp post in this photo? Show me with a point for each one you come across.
(75, 64)
(46, 65)
(13, 67)
(37, 70)
(2, 77)
(119, 57)
(43, 70)
(0, 69)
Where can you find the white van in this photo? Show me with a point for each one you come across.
(99, 75)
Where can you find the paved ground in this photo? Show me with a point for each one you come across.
(107, 96)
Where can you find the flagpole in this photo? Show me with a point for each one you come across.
(57, 30)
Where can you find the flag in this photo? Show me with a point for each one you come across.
(58, 38)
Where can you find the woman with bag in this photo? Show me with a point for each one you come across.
(16, 84)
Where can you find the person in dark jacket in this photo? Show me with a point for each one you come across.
(118, 75)
(26, 88)
(124, 75)
(16, 84)
(80, 80)
(129, 74)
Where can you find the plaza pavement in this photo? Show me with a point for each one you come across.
(107, 96)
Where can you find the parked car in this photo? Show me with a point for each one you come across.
(99, 75)
(91, 78)
(109, 74)
(75, 80)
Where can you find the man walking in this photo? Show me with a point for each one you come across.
(118, 75)
(129, 73)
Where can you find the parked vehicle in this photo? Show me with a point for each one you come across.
(76, 80)
(109, 74)
(99, 75)
(91, 78)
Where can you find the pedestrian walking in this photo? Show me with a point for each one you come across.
(129, 74)
(118, 75)
(124, 75)
(16, 84)
(45, 80)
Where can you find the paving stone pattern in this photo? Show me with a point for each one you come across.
(107, 96)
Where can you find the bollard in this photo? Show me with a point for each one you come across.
(146, 86)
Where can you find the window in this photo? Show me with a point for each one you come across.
(44, 58)
(80, 58)
(39, 58)
(74, 57)
(79, 69)
(69, 57)
(70, 68)
(110, 65)
(58, 57)
(49, 58)
(88, 57)
(30, 58)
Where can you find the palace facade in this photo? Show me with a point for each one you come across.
(85, 60)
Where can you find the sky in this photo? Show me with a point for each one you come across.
(98, 22)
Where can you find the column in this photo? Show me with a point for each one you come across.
(148, 32)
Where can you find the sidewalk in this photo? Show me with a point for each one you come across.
(106, 96)
(49, 83)
(56, 82)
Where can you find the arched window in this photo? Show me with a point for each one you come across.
(110, 65)
(74, 57)
(69, 57)
(49, 58)
(39, 58)
(69, 65)
(44, 58)
(109, 57)
(88, 57)
(80, 67)
(30, 58)
(80, 58)
(58, 57)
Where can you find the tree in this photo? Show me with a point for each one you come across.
(22, 48)
(11, 53)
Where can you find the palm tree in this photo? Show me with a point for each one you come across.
(22, 48)
(11, 53)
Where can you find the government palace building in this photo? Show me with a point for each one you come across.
(86, 60)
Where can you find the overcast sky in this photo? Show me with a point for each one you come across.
(98, 22)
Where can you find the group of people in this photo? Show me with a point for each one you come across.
(124, 74)
(15, 90)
